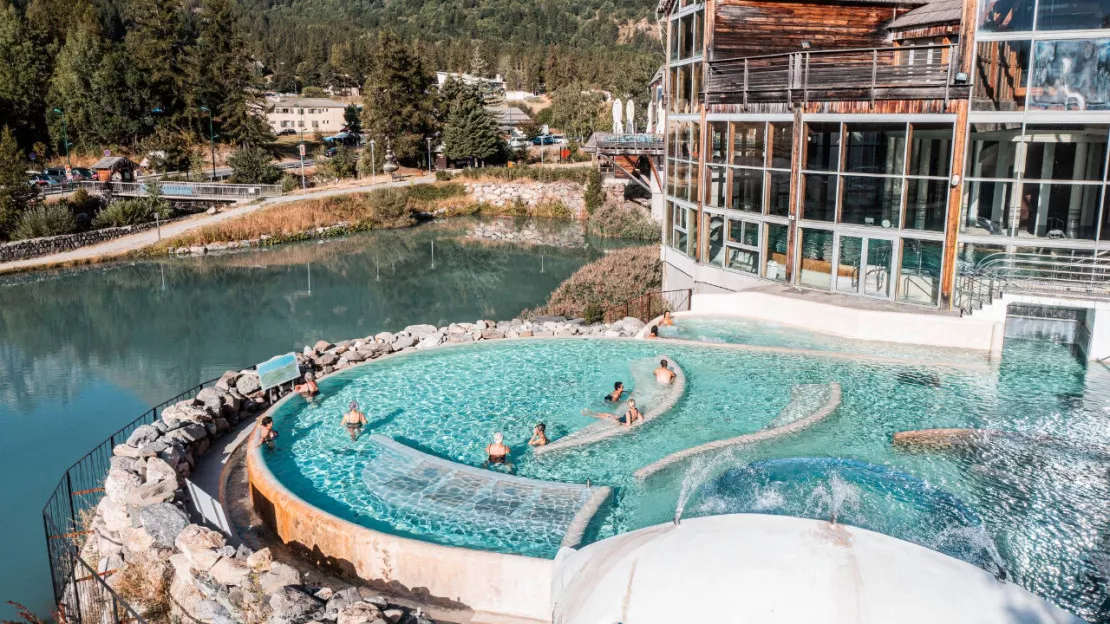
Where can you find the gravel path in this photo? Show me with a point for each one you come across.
(126, 244)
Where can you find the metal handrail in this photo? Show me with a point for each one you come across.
(1087, 277)
(80, 490)
(649, 305)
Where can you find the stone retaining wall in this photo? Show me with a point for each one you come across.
(570, 194)
(569, 234)
(141, 520)
(35, 247)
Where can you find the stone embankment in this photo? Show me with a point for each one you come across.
(140, 527)
(35, 247)
(533, 194)
(321, 232)
(507, 230)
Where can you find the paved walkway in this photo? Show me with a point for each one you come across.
(133, 242)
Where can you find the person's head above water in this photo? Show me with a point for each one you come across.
(667, 314)
(498, 438)
(654, 330)
(540, 428)
(618, 385)
(663, 363)
(267, 422)
(309, 377)
(353, 405)
(631, 403)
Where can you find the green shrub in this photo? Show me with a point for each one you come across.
(390, 207)
(82, 201)
(436, 192)
(623, 221)
(593, 313)
(253, 165)
(618, 276)
(595, 197)
(124, 212)
(45, 220)
(443, 176)
(290, 183)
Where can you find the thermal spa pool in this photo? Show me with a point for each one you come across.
(1034, 511)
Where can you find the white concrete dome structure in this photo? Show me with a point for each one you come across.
(775, 569)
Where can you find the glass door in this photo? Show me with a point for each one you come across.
(864, 266)
(848, 270)
(879, 273)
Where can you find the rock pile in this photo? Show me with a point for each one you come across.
(571, 234)
(570, 194)
(141, 518)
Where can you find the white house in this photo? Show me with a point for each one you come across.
(309, 114)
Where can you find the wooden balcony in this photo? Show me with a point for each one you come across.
(870, 74)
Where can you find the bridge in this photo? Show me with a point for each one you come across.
(181, 191)
(630, 153)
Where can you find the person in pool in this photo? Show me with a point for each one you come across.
(539, 435)
(354, 420)
(653, 332)
(664, 374)
(631, 417)
(497, 454)
(309, 388)
(266, 434)
(667, 320)
(616, 394)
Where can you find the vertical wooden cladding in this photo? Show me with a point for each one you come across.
(753, 28)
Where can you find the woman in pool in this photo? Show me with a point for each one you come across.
(653, 332)
(539, 435)
(309, 388)
(616, 394)
(667, 320)
(497, 454)
(354, 420)
(266, 434)
(631, 417)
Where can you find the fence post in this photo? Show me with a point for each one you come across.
(874, 73)
(76, 589)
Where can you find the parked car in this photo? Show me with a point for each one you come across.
(558, 139)
(331, 151)
(545, 139)
(519, 143)
(287, 132)
(82, 173)
(58, 173)
(41, 179)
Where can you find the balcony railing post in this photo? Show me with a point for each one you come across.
(948, 78)
(805, 81)
(745, 82)
(874, 73)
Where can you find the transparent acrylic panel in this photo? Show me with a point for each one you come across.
(816, 258)
(822, 146)
(876, 148)
(1072, 14)
(718, 141)
(1001, 76)
(878, 270)
(780, 194)
(931, 150)
(926, 204)
(715, 186)
(871, 201)
(1070, 75)
(987, 209)
(747, 190)
(782, 143)
(848, 271)
(715, 236)
(748, 142)
(919, 275)
(775, 266)
(743, 260)
(820, 197)
(1059, 211)
(1065, 152)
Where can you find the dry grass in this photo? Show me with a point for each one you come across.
(619, 276)
(386, 208)
(144, 583)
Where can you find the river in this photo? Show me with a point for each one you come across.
(83, 352)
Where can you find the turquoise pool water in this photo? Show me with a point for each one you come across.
(1043, 508)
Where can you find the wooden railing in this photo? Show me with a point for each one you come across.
(912, 72)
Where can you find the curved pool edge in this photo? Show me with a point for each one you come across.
(483, 581)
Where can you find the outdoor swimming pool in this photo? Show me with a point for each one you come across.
(1043, 510)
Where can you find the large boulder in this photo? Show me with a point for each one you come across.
(420, 331)
(261, 559)
(144, 434)
(163, 522)
(327, 359)
(152, 493)
(228, 571)
(158, 469)
(291, 605)
(430, 341)
(248, 384)
(631, 324)
(361, 613)
(342, 599)
(227, 380)
(199, 545)
(321, 346)
(403, 342)
(119, 484)
(183, 413)
(189, 433)
(279, 576)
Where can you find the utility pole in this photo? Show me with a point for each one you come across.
(65, 138)
(429, 140)
(373, 161)
(211, 139)
(300, 149)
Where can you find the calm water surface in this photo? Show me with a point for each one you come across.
(82, 353)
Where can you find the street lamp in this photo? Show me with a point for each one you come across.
(373, 161)
(211, 139)
(65, 136)
(429, 140)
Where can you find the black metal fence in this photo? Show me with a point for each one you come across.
(648, 306)
(80, 592)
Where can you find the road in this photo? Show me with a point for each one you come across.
(133, 242)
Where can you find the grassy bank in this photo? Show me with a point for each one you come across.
(619, 276)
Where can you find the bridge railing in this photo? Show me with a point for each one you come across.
(188, 190)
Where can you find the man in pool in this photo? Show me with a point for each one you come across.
(667, 321)
(309, 388)
(266, 434)
(616, 394)
(539, 435)
(664, 374)
(354, 421)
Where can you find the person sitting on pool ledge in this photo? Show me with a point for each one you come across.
(266, 434)
(631, 417)
(354, 421)
(616, 394)
(497, 454)
(539, 435)
(667, 320)
(664, 374)
(309, 388)
(652, 333)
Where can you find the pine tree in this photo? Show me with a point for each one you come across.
(253, 165)
(24, 71)
(16, 195)
(155, 42)
(399, 103)
(471, 131)
(71, 88)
